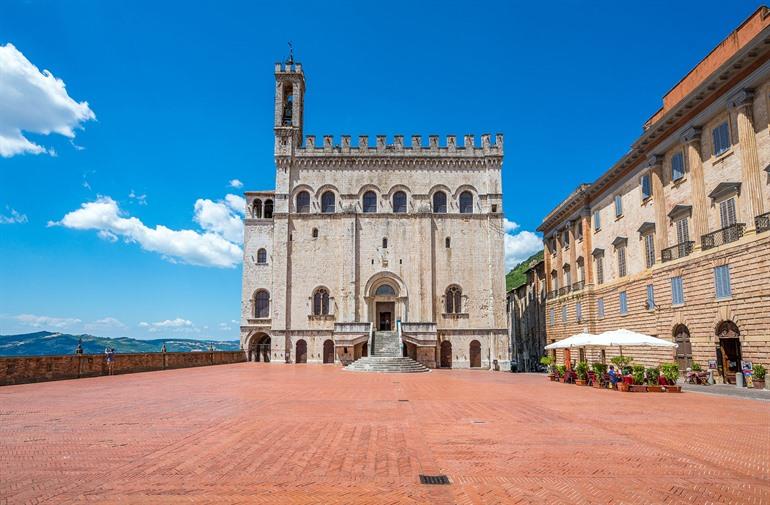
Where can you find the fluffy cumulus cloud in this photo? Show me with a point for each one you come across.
(218, 245)
(175, 325)
(13, 217)
(223, 217)
(35, 102)
(519, 246)
(235, 183)
(46, 321)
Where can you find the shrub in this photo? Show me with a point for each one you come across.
(581, 369)
(670, 372)
(561, 369)
(622, 363)
(599, 368)
(546, 361)
(696, 367)
(638, 372)
(652, 375)
(759, 372)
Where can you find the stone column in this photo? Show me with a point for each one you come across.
(691, 139)
(572, 252)
(659, 202)
(588, 264)
(547, 263)
(751, 198)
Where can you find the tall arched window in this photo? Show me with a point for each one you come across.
(399, 202)
(261, 256)
(268, 209)
(321, 302)
(262, 304)
(370, 201)
(466, 202)
(256, 209)
(327, 203)
(439, 202)
(454, 300)
(303, 202)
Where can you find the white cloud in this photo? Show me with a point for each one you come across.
(235, 183)
(14, 217)
(104, 323)
(222, 217)
(140, 199)
(46, 321)
(520, 246)
(209, 248)
(509, 226)
(35, 102)
(175, 325)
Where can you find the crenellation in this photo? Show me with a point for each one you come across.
(398, 145)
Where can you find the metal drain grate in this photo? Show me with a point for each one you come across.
(441, 480)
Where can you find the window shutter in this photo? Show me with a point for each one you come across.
(727, 212)
(597, 220)
(682, 231)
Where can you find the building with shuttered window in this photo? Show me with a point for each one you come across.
(673, 240)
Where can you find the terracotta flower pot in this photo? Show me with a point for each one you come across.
(580, 382)
(622, 386)
(759, 384)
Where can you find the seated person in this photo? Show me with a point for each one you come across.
(614, 376)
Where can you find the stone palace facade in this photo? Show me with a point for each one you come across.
(673, 240)
(356, 239)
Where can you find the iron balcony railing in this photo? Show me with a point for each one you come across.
(578, 285)
(677, 251)
(553, 294)
(762, 222)
(724, 236)
(564, 290)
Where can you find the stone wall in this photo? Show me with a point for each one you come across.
(24, 369)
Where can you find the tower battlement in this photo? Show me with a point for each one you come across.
(490, 146)
(288, 68)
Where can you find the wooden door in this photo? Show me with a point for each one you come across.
(475, 354)
(446, 354)
(301, 352)
(328, 351)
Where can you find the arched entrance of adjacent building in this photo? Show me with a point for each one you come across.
(729, 350)
(683, 353)
(475, 354)
(259, 348)
(446, 354)
(301, 355)
(328, 351)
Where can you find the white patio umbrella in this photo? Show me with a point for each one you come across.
(623, 337)
(578, 340)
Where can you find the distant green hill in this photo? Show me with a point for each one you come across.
(48, 343)
(517, 277)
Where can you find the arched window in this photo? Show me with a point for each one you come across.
(321, 302)
(268, 209)
(262, 256)
(466, 202)
(399, 202)
(303, 202)
(385, 290)
(315, 232)
(262, 304)
(384, 242)
(327, 203)
(454, 300)
(370, 201)
(256, 209)
(439, 202)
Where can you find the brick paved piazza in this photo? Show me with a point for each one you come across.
(261, 433)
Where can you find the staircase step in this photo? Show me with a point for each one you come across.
(387, 364)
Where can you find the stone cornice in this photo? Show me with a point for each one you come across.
(353, 161)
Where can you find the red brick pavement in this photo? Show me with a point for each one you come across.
(262, 433)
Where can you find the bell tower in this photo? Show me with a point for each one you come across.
(289, 106)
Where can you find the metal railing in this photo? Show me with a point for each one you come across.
(677, 251)
(762, 222)
(724, 236)
(553, 294)
(578, 285)
(564, 290)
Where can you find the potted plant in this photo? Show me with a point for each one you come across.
(599, 369)
(671, 372)
(759, 372)
(547, 362)
(637, 372)
(652, 377)
(561, 371)
(581, 369)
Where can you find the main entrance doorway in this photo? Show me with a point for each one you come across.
(729, 351)
(385, 312)
(260, 348)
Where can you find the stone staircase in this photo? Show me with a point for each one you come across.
(386, 357)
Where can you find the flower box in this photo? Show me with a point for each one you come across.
(637, 388)
(580, 382)
(655, 389)
(673, 389)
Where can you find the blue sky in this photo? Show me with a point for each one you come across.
(179, 103)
